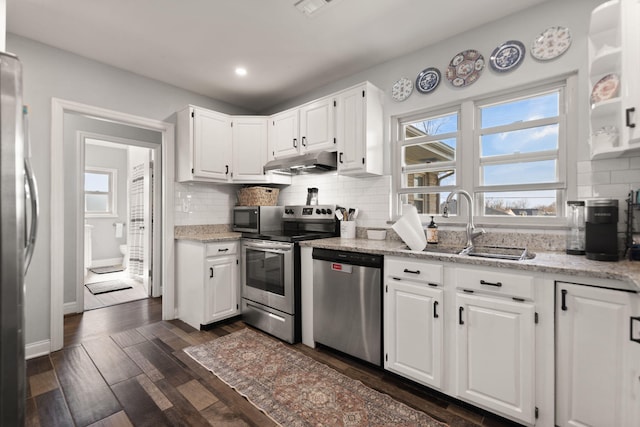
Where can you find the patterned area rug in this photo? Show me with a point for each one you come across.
(295, 390)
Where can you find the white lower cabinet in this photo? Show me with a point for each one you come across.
(495, 349)
(208, 281)
(597, 356)
(413, 330)
(472, 333)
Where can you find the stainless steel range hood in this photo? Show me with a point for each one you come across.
(322, 161)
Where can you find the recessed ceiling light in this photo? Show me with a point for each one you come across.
(241, 71)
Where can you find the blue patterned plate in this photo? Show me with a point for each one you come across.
(428, 80)
(507, 56)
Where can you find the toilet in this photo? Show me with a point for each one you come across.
(125, 257)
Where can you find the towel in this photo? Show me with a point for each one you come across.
(409, 228)
(119, 228)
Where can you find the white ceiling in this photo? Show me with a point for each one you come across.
(197, 44)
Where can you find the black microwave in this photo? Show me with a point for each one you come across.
(257, 219)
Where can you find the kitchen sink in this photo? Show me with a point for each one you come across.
(499, 252)
(495, 252)
(443, 249)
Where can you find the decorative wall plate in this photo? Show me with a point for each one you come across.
(606, 88)
(402, 89)
(551, 43)
(428, 80)
(465, 68)
(507, 56)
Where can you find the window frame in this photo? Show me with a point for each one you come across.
(468, 166)
(112, 195)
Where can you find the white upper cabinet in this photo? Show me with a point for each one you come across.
(308, 128)
(203, 145)
(284, 134)
(614, 59)
(317, 125)
(249, 148)
(360, 130)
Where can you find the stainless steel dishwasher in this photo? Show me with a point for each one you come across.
(347, 303)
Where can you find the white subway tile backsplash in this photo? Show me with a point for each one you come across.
(620, 163)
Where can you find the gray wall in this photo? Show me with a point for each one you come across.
(105, 243)
(51, 72)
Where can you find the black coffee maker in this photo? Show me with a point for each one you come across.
(601, 230)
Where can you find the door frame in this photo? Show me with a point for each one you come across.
(81, 136)
(58, 108)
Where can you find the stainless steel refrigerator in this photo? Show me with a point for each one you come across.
(18, 225)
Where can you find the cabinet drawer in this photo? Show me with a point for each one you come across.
(221, 248)
(494, 281)
(414, 270)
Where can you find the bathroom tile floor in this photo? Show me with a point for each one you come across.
(91, 302)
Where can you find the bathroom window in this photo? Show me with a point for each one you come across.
(100, 192)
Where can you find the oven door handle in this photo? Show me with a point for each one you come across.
(263, 246)
(273, 251)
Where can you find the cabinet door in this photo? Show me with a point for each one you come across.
(413, 326)
(249, 148)
(211, 145)
(283, 134)
(221, 288)
(317, 125)
(630, 64)
(597, 364)
(351, 130)
(495, 348)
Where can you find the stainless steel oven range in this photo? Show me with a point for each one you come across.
(271, 269)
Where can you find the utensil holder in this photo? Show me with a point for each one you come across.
(348, 229)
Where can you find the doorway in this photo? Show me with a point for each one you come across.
(117, 211)
(67, 232)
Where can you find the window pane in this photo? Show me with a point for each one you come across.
(523, 110)
(520, 173)
(429, 152)
(521, 203)
(431, 126)
(425, 203)
(96, 203)
(96, 182)
(435, 179)
(521, 141)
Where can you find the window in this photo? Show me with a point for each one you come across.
(508, 151)
(428, 159)
(100, 192)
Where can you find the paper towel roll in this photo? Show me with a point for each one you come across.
(119, 228)
(409, 228)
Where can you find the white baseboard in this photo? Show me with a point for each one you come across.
(38, 348)
(70, 307)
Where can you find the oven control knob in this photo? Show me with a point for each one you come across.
(329, 211)
(324, 211)
(318, 211)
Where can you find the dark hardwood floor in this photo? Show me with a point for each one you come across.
(124, 366)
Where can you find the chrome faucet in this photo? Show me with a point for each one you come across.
(472, 233)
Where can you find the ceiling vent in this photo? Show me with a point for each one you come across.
(311, 7)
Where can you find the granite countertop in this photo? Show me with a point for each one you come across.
(205, 233)
(547, 262)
